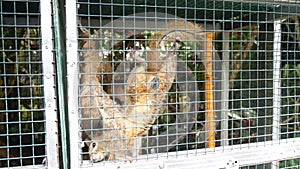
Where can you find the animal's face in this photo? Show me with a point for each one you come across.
(147, 86)
(97, 152)
(149, 83)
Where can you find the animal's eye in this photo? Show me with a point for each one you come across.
(154, 83)
(94, 145)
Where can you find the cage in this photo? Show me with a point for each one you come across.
(149, 84)
(232, 101)
(25, 130)
(28, 119)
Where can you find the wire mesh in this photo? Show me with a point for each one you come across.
(234, 80)
(291, 163)
(22, 122)
(286, 164)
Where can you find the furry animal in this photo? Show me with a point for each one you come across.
(158, 72)
(109, 146)
(123, 126)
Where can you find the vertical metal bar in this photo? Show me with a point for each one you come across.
(225, 89)
(209, 102)
(72, 66)
(49, 90)
(276, 80)
(59, 32)
(276, 84)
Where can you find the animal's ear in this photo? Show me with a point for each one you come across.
(87, 142)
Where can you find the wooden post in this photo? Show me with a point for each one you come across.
(209, 98)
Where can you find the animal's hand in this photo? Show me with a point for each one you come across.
(176, 44)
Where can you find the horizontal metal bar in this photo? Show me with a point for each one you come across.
(217, 158)
(29, 167)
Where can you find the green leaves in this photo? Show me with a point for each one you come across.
(290, 101)
(298, 70)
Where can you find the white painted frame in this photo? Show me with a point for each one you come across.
(52, 153)
(73, 81)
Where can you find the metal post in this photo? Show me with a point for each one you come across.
(225, 90)
(59, 32)
(72, 66)
(49, 90)
(209, 114)
(276, 85)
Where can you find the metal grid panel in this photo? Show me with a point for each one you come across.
(22, 111)
(291, 163)
(236, 86)
(286, 164)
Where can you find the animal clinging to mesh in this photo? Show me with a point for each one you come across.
(148, 87)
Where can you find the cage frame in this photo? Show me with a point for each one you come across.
(233, 156)
(39, 17)
(50, 104)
